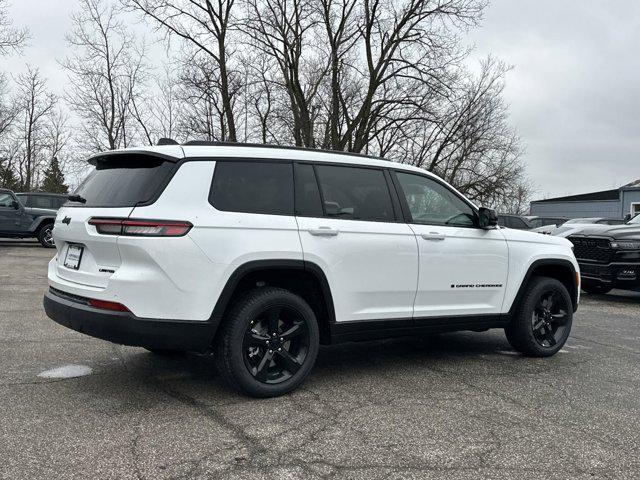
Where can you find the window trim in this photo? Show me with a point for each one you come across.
(248, 160)
(405, 205)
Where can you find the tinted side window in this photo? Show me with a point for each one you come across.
(433, 204)
(355, 193)
(42, 201)
(519, 223)
(253, 187)
(25, 200)
(308, 202)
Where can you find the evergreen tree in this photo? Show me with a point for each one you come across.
(8, 178)
(54, 179)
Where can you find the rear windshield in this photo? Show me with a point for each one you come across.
(125, 181)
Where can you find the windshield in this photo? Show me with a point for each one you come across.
(583, 220)
(124, 181)
(634, 221)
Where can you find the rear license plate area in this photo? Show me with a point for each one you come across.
(73, 257)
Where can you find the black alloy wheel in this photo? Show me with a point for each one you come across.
(268, 343)
(276, 344)
(542, 321)
(549, 318)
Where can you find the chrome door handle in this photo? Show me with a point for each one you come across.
(324, 232)
(433, 236)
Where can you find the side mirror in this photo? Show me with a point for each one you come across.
(15, 204)
(487, 218)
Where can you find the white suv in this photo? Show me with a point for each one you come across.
(259, 254)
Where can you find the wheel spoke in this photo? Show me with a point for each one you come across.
(550, 338)
(273, 318)
(296, 330)
(560, 317)
(538, 325)
(253, 338)
(286, 361)
(262, 370)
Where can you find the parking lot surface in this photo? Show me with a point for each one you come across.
(459, 406)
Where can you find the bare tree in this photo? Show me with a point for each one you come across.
(204, 25)
(466, 137)
(105, 72)
(157, 110)
(11, 39)
(35, 105)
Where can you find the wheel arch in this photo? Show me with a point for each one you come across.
(562, 270)
(303, 278)
(39, 222)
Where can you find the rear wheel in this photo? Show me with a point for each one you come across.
(268, 344)
(542, 322)
(45, 236)
(596, 288)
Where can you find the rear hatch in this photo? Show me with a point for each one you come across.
(119, 182)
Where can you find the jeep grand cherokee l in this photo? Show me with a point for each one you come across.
(609, 256)
(259, 254)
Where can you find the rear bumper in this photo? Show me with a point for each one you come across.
(124, 328)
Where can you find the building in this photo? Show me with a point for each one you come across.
(616, 203)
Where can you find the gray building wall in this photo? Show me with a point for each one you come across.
(596, 208)
(628, 197)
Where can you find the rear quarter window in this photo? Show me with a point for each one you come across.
(253, 187)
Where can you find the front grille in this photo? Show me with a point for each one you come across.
(592, 249)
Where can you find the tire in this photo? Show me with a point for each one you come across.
(543, 319)
(45, 236)
(258, 363)
(595, 288)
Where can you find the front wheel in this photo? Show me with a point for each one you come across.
(268, 344)
(45, 236)
(542, 322)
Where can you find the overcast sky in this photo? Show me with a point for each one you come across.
(574, 91)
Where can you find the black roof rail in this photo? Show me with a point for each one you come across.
(205, 143)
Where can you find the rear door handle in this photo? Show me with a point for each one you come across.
(324, 232)
(435, 236)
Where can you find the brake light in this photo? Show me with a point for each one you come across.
(140, 228)
(104, 305)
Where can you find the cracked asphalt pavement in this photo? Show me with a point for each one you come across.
(454, 406)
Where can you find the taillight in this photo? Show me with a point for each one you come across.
(105, 305)
(140, 228)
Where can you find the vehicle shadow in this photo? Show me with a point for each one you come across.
(350, 362)
(22, 243)
(615, 296)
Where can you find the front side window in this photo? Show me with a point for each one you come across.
(6, 200)
(433, 204)
(253, 187)
(355, 193)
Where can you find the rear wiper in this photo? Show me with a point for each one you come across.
(77, 198)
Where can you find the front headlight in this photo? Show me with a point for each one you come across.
(626, 244)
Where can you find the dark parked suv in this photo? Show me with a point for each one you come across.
(51, 201)
(609, 257)
(18, 221)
